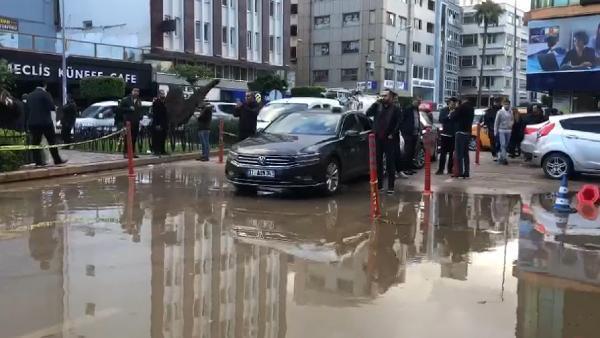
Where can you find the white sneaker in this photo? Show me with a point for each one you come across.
(402, 175)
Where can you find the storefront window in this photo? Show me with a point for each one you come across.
(552, 3)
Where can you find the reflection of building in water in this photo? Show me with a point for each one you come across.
(236, 290)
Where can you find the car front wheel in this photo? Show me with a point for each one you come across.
(332, 177)
(556, 165)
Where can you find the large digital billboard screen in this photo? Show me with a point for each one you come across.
(564, 45)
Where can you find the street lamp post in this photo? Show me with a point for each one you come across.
(514, 65)
(64, 54)
(401, 29)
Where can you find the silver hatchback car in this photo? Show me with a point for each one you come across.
(569, 145)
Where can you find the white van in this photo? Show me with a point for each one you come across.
(275, 108)
(102, 115)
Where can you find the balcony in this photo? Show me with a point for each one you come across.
(53, 45)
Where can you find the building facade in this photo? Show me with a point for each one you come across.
(376, 44)
(557, 30)
(498, 62)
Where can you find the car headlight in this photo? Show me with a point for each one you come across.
(308, 159)
(232, 155)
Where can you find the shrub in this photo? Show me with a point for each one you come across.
(308, 91)
(102, 88)
(11, 160)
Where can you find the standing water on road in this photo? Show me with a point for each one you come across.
(182, 256)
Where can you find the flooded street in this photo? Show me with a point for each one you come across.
(179, 254)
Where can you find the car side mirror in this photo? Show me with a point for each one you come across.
(100, 116)
(351, 133)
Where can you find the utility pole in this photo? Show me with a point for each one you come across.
(514, 66)
(64, 54)
(393, 55)
(409, 47)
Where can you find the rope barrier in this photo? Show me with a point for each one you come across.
(33, 147)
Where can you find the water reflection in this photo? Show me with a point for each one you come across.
(179, 256)
(558, 271)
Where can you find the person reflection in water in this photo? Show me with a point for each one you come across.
(386, 263)
(42, 239)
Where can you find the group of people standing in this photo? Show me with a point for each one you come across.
(457, 120)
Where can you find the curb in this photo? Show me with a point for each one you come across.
(36, 174)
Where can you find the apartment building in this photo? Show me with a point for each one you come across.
(372, 45)
(498, 62)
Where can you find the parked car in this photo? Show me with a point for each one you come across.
(530, 138)
(102, 115)
(309, 149)
(484, 136)
(568, 145)
(275, 108)
(419, 160)
(221, 110)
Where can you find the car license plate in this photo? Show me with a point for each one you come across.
(261, 173)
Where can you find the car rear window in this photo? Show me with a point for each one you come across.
(589, 124)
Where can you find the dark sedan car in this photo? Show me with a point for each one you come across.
(303, 150)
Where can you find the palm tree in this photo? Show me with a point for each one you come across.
(487, 13)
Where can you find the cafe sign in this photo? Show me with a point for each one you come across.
(9, 24)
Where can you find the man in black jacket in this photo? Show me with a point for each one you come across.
(488, 121)
(247, 112)
(387, 117)
(67, 120)
(40, 106)
(463, 120)
(447, 137)
(204, 121)
(160, 123)
(131, 107)
(410, 128)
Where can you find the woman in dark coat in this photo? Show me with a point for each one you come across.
(517, 135)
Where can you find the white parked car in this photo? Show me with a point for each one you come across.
(102, 115)
(221, 110)
(275, 108)
(530, 139)
(568, 145)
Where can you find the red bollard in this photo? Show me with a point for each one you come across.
(427, 145)
(221, 143)
(478, 144)
(129, 149)
(375, 209)
(454, 165)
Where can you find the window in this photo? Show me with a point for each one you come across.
(469, 40)
(271, 42)
(349, 47)
(177, 26)
(490, 60)
(468, 61)
(419, 2)
(418, 24)
(391, 19)
(271, 8)
(224, 32)
(401, 76)
(294, 30)
(257, 44)
(424, 73)
(249, 6)
(489, 81)
(431, 5)
(224, 3)
(416, 47)
(293, 52)
(401, 50)
(294, 9)
(256, 6)
(198, 30)
(278, 47)
(350, 123)
(349, 74)
(320, 75)
(351, 19)
(402, 21)
(507, 82)
(322, 21)
(249, 40)
(279, 11)
(390, 47)
(429, 50)
(491, 38)
(321, 49)
(469, 19)
(430, 27)
(232, 36)
(468, 82)
(372, 16)
(388, 74)
(371, 45)
(589, 124)
(206, 31)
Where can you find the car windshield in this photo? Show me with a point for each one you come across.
(92, 111)
(273, 110)
(305, 124)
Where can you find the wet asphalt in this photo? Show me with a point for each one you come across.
(179, 254)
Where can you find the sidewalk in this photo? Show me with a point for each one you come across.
(87, 162)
